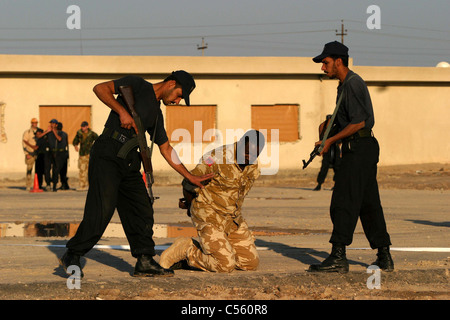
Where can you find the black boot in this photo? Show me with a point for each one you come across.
(146, 266)
(70, 259)
(318, 187)
(384, 260)
(65, 185)
(336, 261)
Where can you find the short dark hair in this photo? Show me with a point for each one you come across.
(343, 58)
(171, 77)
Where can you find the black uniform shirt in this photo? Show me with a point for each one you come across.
(146, 105)
(356, 105)
(64, 143)
(52, 141)
(42, 142)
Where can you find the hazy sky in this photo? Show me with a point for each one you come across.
(413, 32)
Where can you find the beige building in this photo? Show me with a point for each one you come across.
(288, 96)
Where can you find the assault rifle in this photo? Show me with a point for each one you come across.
(145, 151)
(322, 130)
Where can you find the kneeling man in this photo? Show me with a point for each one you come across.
(225, 241)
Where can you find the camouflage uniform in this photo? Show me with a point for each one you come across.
(86, 141)
(30, 154)
(226, 243)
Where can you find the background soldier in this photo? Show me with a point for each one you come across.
(43, 161)
(29, 148)
(85, 137)
(53, 139)
(63, 156)
(225, 241)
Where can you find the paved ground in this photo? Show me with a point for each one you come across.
(292, 227)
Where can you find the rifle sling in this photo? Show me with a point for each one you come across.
(327, 132)
(153, 136)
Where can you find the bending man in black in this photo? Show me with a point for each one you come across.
(116, 182)
(355, 193)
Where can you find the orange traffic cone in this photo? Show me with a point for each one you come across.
(36, 185)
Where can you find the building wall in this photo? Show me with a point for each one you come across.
(411, 105)
(412, 112)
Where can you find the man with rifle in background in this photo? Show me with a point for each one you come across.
(114, 169)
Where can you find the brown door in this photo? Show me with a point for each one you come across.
(70, 116)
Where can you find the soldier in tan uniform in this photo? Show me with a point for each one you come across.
(225, 241)
(29, 149)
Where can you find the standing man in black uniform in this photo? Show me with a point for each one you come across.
(356, 189)
(63, 156)
(43, 161)
(55, 140)
(116, 182)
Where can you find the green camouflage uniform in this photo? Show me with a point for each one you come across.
(226, 242)
(86, 140)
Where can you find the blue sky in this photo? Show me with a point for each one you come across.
(412, 33)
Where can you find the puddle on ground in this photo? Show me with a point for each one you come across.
(68, 229)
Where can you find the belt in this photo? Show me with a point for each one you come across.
(128, 143)
(363, 133)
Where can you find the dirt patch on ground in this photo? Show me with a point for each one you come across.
(416, 284)
(431, 176)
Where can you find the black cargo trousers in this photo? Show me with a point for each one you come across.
(115, 183)
(356, 194)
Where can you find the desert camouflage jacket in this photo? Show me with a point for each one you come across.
(225, 193)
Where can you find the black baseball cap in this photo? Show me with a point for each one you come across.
(332, 49)
(53, 121)
(84, 124)
(186, 81)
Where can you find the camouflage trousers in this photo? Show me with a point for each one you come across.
(223, 247)
(29, 178)
(83, 167)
